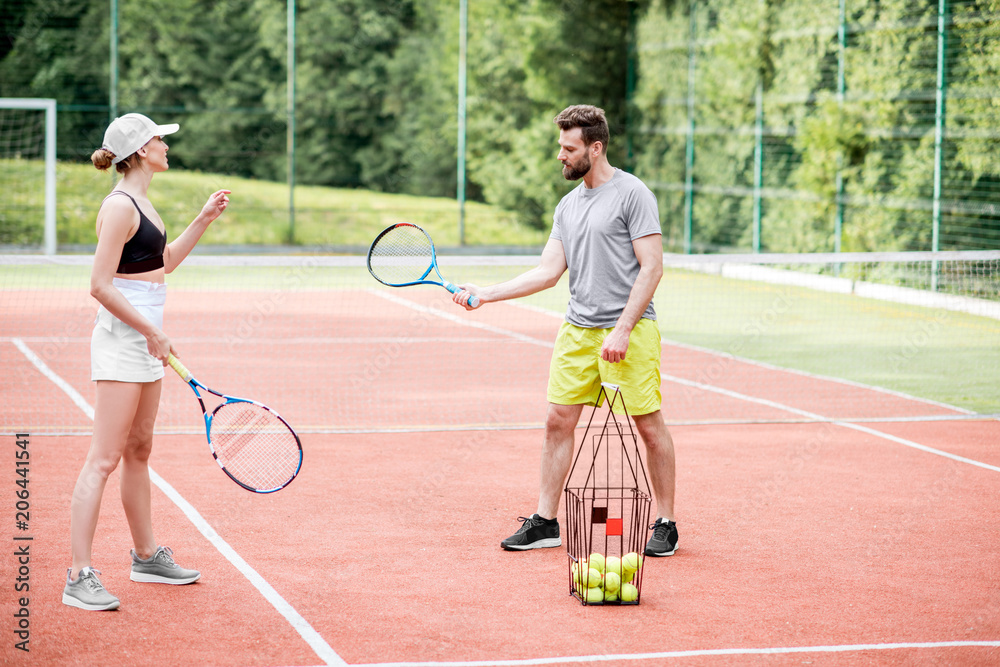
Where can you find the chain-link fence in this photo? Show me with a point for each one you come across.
(818, 126)
(795, 126)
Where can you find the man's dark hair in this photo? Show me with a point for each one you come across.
(590, 120)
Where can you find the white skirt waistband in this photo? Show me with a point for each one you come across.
(146, 297)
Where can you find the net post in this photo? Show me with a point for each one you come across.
(50, 176)
(940, 98)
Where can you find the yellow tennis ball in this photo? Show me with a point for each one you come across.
(628, 593)
(612, 582)
(594, 595)
(610, 597)
(631, 561)
(613, 564)
(579, 570)
(597, 561)
(593, 578)
(627, 577)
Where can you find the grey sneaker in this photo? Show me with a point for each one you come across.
(160, 568)
(87, 592)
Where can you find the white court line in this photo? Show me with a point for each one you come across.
(719, 390)
(815, 417)
(300, 340)
(80, 401)
(836, 422)
(783, 369)
(817, 376)
(457, 319)
(846, 648)
(673, 654)
(301, 625)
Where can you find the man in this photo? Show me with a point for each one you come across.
(607, 233)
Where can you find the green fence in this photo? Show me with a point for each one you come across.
(820, 126)
(762, 125)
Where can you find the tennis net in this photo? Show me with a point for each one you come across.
(746, 339)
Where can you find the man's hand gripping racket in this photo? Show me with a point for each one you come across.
(403, 255)
(250, 441)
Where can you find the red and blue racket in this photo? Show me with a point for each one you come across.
(250, 441)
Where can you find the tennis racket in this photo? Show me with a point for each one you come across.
(250, 441)
(403, 255)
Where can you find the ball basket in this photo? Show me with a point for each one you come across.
(608, 502)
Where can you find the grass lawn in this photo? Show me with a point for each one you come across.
(935, 354)
(931, 353)
(258, 213)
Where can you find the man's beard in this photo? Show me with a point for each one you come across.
(575, 173)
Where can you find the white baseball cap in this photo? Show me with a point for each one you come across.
(130, 132)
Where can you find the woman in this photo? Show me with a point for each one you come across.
(128, 353)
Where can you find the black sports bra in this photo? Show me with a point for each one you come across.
(144, 251)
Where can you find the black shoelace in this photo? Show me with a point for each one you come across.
(528, 522)
(661, 530)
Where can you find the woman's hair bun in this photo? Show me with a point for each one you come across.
(102, 158)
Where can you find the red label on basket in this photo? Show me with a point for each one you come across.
(614, 527)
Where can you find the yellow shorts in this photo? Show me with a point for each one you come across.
(577, 370)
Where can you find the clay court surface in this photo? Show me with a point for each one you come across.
(821, 523)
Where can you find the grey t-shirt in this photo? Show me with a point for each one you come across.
(596, 227)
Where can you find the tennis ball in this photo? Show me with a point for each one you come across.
(594, 595)
(632, 561)
(613, 564)
(592, 578)
(627, 577)
(612, 582)
(610, 597)
(628, 593)
(597, 561)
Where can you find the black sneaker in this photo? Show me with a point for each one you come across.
(534, 533)
(664, 539)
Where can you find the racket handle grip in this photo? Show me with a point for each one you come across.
(473, 301)
(176, 364)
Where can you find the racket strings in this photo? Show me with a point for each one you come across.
(254, 445)
(401, 255)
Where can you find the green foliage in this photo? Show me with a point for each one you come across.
(376, 102)
(867, 154)
(531, 60)
(324, 217)
(415, 153)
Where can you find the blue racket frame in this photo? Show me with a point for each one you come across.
(422, 280)
(186, 375)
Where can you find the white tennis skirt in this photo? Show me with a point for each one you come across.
(119, 352)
